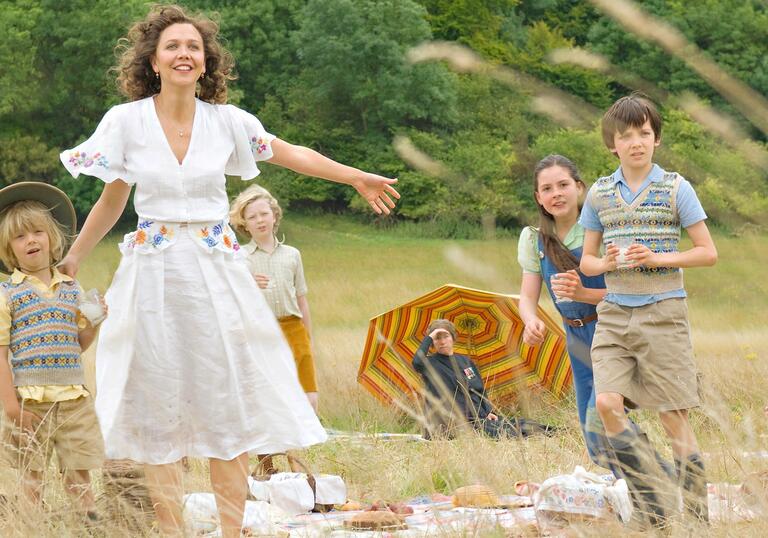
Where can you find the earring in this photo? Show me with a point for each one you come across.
(202, 75)
(157, 75)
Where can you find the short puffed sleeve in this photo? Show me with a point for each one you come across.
(252, 143)
(102, 155)
(528, 250)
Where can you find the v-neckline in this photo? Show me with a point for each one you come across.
(165, 137)
(638, 199)
(40, 295)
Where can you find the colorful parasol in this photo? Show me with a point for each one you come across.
(490, 332)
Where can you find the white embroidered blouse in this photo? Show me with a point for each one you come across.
(129, 144)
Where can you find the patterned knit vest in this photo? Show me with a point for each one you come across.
(44, 336)
(652, 220)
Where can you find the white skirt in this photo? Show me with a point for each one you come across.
(191, 362)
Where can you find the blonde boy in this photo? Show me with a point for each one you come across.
(46, 405)
(279, 272)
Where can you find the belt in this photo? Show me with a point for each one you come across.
(580, 322)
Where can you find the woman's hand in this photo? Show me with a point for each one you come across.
(69, 265)
(377, 190)
(534, 332)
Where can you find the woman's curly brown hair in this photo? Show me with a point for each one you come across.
(136, 79)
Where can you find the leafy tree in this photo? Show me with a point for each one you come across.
(352, 57)
(19, 80)
(734, 33)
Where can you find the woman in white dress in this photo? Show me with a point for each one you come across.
(191, 361)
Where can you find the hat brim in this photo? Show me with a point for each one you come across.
(51, 197)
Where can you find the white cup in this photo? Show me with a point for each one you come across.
(553, 279)
(623, 243)
(90, 306)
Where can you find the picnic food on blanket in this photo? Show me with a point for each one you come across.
(376, 520)
(396, 507)
(476, 496)
(526, 488)
(400, 508)
(351, 506)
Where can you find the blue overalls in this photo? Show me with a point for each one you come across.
(579, 343)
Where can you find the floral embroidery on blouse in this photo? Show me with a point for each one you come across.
(152, 236)
(82, 159)
(258, 144)
(149, 234)
(218, 234)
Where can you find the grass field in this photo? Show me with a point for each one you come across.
(357, 271)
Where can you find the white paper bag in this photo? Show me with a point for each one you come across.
(330, 489)
(291, 493)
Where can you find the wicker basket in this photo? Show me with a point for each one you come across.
(126, 498)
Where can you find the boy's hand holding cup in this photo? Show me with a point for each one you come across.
(93, 307)
(624, 259)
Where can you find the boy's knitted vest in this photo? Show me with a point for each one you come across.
(652, 220)
(44, 335)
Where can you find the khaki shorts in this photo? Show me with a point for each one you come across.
(298, 339)
(69, 427)
(645, 354)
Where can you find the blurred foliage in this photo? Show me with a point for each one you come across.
(332, 75)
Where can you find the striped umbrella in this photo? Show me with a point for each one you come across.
(489, 331)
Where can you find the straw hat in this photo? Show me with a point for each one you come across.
(51, 197)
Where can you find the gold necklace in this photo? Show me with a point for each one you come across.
(180, 132)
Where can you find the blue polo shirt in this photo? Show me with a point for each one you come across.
(689, 210)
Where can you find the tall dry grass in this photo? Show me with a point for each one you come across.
(355, 273)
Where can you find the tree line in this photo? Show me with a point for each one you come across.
(333, 75)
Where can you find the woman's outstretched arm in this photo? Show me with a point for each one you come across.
(377, 190)
(101, 219)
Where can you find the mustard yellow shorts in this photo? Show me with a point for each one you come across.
(70, 428)
(645, 354)
(296, 334)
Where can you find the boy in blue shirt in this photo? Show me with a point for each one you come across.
(642, 354)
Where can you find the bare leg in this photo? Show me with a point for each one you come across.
(78, 487)
(690, 466)
(610, 407)
(165, 489)
(679, 430)
(229, 480)
(313, 400)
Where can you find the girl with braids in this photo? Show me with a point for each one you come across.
(551, 255)
(191, 361)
